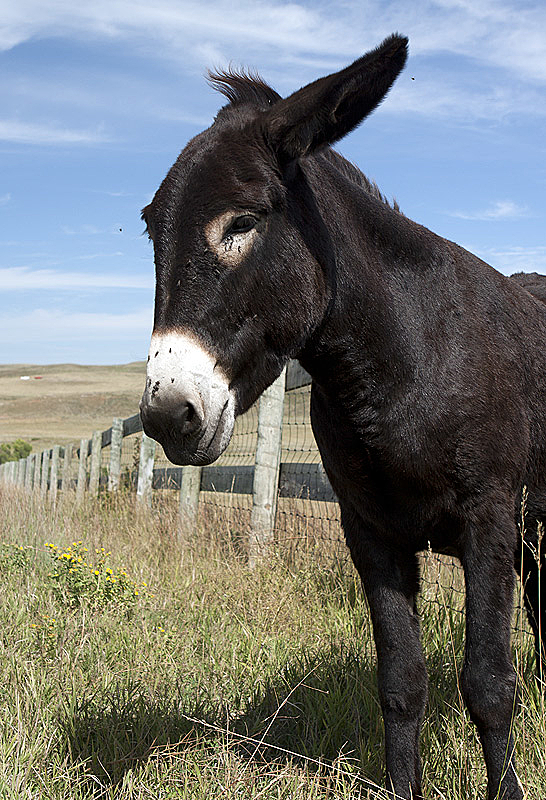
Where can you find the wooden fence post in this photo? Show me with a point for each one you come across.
(45, 473)
(20, 472)
(53, 480)
(82, 471)
(190, 486)
(29, 475)
(145, 470)
(94, 471)
(67, 462)
(266, 470)
(116, 444)
(36, 483)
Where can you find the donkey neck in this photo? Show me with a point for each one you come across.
(391, 291)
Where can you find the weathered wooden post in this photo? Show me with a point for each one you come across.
(54, 477)
(266, 470)
(29, 474)
(45, 472)
(145, 470)
(20, 473)
(82, 471)
(67, 463)
(94, 471)
(116, 444)
(36, 483)
(190, 486)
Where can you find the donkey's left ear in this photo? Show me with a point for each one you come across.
(324, 111)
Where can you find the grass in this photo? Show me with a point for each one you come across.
(68, 402)
(212, 681)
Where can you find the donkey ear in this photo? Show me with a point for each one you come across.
(327, 109)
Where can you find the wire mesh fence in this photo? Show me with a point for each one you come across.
(304, 516)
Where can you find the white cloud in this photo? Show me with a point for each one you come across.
(292, 42)
(42, 325)
(500, 210)
(5, 198)
(504, 33)
(82, 230)
(29, 133)
(24, 278)
(515, 259)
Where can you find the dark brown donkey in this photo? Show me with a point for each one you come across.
(429, 373)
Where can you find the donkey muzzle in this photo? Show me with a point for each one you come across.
(187, 405)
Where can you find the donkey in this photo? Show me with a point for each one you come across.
(428, 399)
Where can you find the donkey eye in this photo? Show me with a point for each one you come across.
(241, 224)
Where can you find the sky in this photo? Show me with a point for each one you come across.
(97, 99)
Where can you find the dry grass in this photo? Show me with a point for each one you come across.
(219, 682)
(69, 402)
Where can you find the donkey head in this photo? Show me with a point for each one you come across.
(242, 272)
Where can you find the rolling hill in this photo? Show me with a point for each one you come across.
(64, 402)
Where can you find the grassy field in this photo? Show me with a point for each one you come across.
(68, 401)
(157, 667)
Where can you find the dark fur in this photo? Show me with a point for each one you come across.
(429, 374)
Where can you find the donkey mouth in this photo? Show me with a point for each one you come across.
(202, 446)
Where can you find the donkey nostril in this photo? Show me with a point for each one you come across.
(189, 418)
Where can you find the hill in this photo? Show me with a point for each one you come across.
(64, 402)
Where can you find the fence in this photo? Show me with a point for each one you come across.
(271, 472)
(270, 475)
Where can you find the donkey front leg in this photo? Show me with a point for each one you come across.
(391, 580)
(488, 679)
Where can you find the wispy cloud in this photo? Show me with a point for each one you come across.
(515, 259)
(5, 198)
(30, 133)
(505, 33)
(500, 210)
(24, 278)
(83, 230)
(60, 326)
(291, 41)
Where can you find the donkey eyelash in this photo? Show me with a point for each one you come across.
(241, 224)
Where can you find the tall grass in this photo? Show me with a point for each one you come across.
(212, 681)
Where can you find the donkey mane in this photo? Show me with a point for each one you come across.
(243, 86)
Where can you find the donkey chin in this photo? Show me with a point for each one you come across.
(209, 439)
(187, 405)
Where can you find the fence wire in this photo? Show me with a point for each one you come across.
(307, 514)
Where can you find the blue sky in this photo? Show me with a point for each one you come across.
(97, 100)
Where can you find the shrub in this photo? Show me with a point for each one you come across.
(13, 451)
(75, 577)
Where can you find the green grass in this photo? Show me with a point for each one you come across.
(213, 681)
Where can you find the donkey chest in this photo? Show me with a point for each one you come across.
(395, 476)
